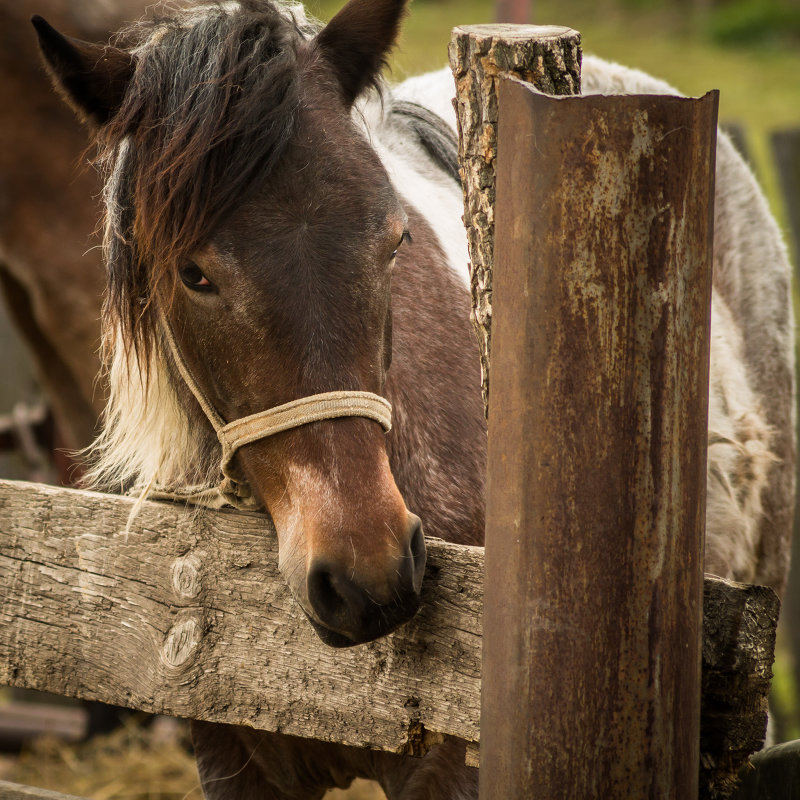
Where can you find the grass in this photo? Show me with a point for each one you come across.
(758, 86)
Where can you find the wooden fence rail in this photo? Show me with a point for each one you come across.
(187, 615)
(15, 791)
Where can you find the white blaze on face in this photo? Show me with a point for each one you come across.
(310, 498)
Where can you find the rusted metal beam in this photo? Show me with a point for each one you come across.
(597, 446)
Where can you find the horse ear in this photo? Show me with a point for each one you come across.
(92, 78)
(356, 42)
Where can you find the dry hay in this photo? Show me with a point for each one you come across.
(130, 763)
(134, 762)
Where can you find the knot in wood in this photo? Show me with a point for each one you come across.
(181, 642)
(186, 576)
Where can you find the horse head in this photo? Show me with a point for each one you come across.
(249, 217)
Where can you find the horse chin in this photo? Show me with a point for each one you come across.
(334, 638)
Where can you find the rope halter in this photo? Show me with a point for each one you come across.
(233, 488)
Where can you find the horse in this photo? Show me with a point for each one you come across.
(284, 255)
(51, 271)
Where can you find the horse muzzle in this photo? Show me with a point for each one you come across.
(348, 606)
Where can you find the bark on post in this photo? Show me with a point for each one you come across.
(597, 446)
(547, 57)
(739, 622)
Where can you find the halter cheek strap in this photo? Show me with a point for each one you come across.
(234, 489)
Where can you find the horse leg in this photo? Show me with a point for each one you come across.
(439, 775)
(238, 763)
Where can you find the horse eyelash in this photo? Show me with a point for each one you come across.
(406, 237)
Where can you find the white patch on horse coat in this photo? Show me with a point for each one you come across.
(434, 91)
(416, 178)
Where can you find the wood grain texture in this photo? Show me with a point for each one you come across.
(16, 791)
(188, 616)
(549, 58)
(738, 646)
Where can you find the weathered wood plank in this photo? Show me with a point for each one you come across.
(188, 616)
(15, 791)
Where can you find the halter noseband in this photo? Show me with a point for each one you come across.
(233, 488)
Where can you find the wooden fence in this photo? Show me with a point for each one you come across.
(187, 615)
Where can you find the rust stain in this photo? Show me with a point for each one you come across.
(597, 446)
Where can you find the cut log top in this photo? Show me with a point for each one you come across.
(548, 57)
(502, 31)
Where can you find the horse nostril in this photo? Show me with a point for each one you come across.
(336, 600)
(418, 551)
(359, 608)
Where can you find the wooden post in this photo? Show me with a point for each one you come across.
(547, 57)
(597, 446)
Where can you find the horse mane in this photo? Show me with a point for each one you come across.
(212, 104)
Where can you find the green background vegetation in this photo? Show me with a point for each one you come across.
(747, 49)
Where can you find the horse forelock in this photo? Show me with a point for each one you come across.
(209, 111)
(211, 107)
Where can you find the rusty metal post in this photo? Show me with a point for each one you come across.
(516, 11)
(597, 446)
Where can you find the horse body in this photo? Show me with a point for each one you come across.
(51, 271)
(259, 197)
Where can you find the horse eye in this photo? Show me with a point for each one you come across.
(406, 237)
(194, 278)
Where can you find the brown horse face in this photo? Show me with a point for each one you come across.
(292, 297)
(288, 293)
